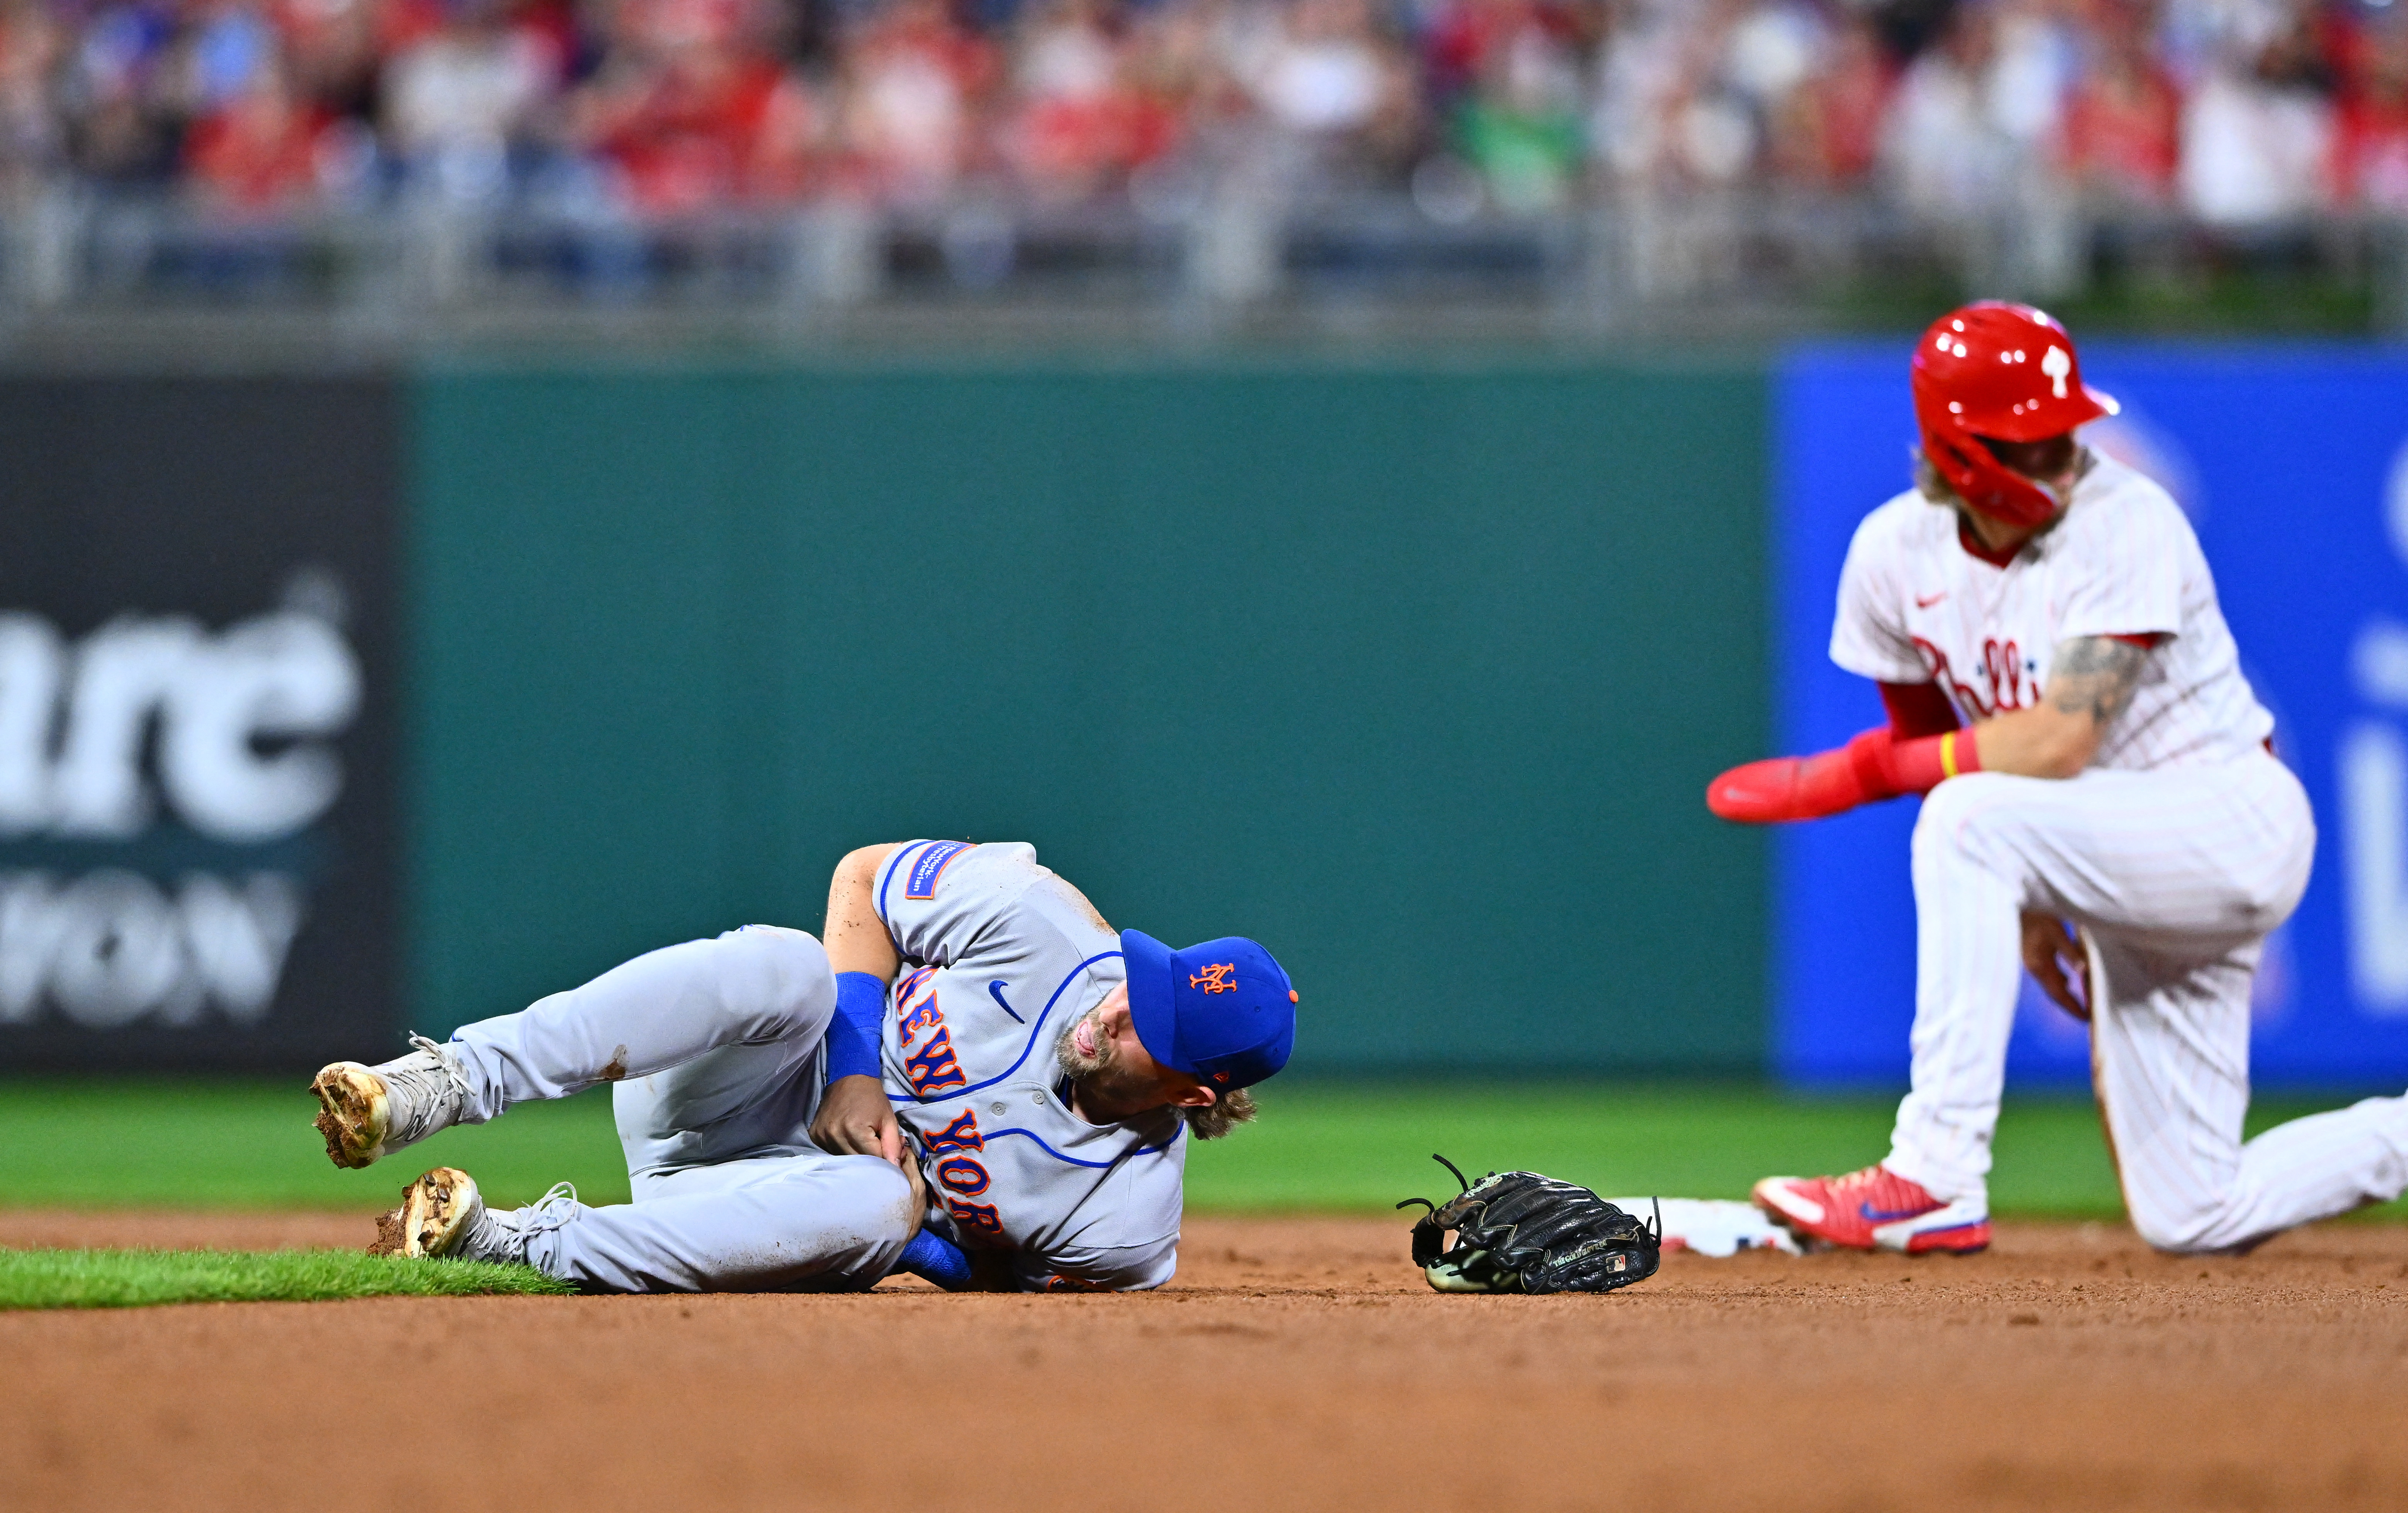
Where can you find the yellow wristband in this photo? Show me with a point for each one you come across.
(1948, 755)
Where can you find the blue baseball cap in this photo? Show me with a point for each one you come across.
(1221, 1012)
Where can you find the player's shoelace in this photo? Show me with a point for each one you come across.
(426, 1097)
(557, 1206)
(499, 1238)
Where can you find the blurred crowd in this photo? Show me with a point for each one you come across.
(2229, 110)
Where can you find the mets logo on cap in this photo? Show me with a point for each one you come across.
(1223, 1012)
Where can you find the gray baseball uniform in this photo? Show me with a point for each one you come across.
(1002, 956)
(715, 1047)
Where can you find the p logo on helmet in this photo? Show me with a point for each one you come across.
(2058, 365)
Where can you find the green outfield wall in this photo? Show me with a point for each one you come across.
(1416, 676)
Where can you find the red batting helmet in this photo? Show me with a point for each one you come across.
(2007, 372)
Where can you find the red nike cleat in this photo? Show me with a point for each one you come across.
(1873, 1209)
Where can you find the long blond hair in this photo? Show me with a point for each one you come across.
(1225, 1112)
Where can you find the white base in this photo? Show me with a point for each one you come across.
(1713, 1226)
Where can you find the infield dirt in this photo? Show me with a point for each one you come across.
(1295, 1364)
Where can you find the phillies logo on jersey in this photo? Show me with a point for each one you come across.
(2002, 671)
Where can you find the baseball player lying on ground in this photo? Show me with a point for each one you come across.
(1011, 1113)
(2105, 809)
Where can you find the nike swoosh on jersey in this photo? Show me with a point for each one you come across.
(1922, 603)
(995, 990)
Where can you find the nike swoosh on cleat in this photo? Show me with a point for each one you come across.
(1922, 603)
(1872, 1215)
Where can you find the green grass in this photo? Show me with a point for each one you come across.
(123, 1143)
(139, 1279)
(1320, 1147)
(1334, 1147)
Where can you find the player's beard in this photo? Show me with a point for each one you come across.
(1102, 1078)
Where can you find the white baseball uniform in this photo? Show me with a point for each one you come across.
(2176, 851)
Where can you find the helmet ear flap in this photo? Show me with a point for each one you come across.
(1947, 458)
(1985, 483)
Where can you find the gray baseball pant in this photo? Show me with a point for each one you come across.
(715, 1049)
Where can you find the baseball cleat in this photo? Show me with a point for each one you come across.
(1873, 1209)
(442, 1214)
(438, 1214)
(366, 1112)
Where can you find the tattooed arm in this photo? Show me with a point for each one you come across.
(2089, 684)
(2089, 688)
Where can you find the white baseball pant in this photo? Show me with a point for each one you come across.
(2175, 876)
(715, 1048)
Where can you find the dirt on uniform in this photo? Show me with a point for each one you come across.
(1295, 1364)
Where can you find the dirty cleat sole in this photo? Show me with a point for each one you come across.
(354, 1113)
(437, 1213)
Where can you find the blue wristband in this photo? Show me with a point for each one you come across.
(938, 1259)
(852, 1035)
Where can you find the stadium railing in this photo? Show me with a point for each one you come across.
(1757, 259)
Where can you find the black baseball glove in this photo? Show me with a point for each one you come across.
(1519, 1231)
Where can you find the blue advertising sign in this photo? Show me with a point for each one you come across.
(2292, 463)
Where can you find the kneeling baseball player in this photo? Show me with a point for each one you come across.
(1009, 1113)
(2105, 809)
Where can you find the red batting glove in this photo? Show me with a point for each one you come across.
(1873, 766)
(1803, 788)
